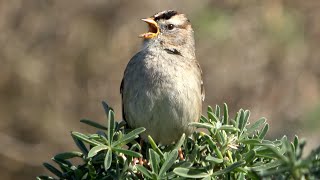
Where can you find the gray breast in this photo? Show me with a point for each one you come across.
(161, 93)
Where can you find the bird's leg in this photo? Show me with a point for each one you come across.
(180, 154)
(141, 158)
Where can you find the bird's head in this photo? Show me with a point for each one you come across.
(170, 29)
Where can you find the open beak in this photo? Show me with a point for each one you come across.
(153, 29)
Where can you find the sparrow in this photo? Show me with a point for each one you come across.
(162, 88)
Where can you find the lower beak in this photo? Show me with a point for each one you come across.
(153, 29)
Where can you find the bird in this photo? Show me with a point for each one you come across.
(162, 88)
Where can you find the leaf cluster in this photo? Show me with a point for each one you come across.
(222, 148)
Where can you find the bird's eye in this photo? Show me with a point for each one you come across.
(170, 26)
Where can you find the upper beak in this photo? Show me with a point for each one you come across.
(153, 29)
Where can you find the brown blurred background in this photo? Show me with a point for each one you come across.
(60, 59)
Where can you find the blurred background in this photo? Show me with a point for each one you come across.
(60, 59)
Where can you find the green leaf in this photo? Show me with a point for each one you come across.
(45, 178)
(213, 117)
(213, 146)
(221, 138)
(296, 142)
(191, 172)
(275, 151)
(228, 128)
(264, 131)
(272, 172)
(64, 165)
(54, 170)
(241, 176)
(213, 159)
(68, 155)
(127, 152)
(210, 109)
(95, 150)
(154, 146)
(201, 125)
(144, 171)
(168, 162)
(203, 119)
(250, 141)
(111, 126)
(154, 160)
(241, 119)
(108, 160)
(229, 168)
(85, 138)
(129, 137)
(180, 142)
(92, 171)
(93, 124)
(226, 114)
(249, 156)
(244, 117)
(265, 166)
(256, 125)
(106, 108)
(80, 145)
(217, 111)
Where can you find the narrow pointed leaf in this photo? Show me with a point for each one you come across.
(127, 152)
(95, 150)
(201, 125)
(241, 176)
(45, 178)
(276, 152)
(228, 128)
(169, 162)
(65, 166)
(111, 126)
(144, 171)
(226, 114)
(213, 116)
(217, 111)
(52, 169)
(210, 109)
(278, 170)
(180, 142)
(106, 108)
(229, 168)
(213, 159)
(213, 146)
(85, 138)
(256, 125)
(92, 171)
(191, 173)
(241, 119)
(93, 124)
(129, 137)
(80, 145)
(266, 166)
(203, 119)
(264, 131)
(108, 160)
(249, 156)
(296, 142)
(250, 141)
(154, 146)
(154, 160)
(68, 155)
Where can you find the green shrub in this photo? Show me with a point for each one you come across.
(224, 148)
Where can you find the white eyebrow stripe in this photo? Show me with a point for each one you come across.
(177, 19)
